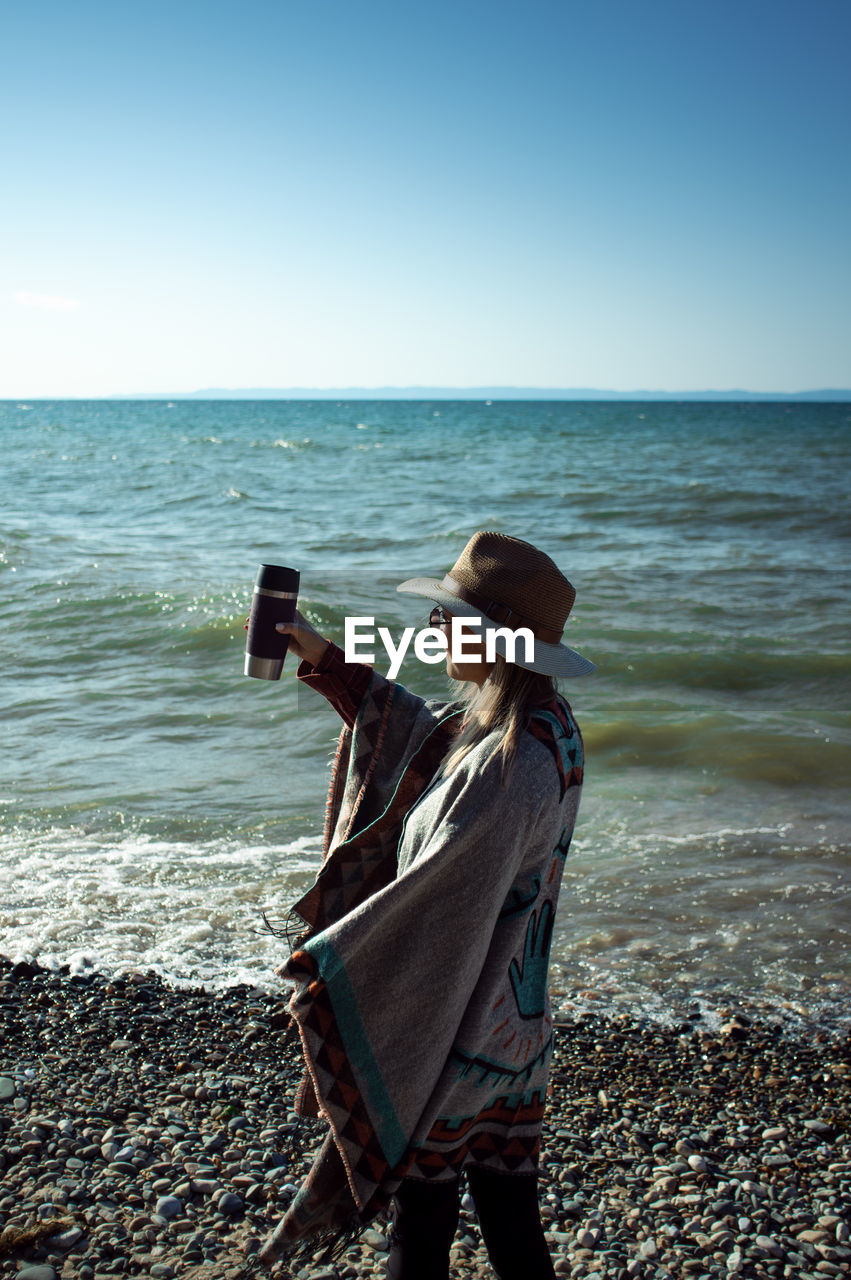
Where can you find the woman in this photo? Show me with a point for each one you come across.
(421, 972)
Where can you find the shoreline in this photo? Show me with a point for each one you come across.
(154, 1125)
(822, 1009)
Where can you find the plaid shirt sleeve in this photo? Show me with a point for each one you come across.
(343, 683)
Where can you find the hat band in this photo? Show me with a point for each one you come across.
(499, 612)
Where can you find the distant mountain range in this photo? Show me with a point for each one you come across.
(478, 393)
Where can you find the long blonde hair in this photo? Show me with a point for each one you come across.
(503, 703)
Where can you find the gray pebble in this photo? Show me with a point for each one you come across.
(374, 1239)
(66, 1239)
(169, 1207)
(775, 1134)
(587, 1239)
(769, 1246)
(230, 1204)
(206, 1186)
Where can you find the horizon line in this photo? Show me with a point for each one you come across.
(831, 394)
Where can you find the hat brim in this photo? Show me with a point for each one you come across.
(547, 659)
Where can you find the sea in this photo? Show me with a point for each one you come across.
(155, 802)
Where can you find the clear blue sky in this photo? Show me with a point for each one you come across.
(611, 194)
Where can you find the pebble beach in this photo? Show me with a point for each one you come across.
(148, 1131)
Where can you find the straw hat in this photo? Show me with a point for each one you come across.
(510, 584)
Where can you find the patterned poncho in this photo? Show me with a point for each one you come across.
(421, 976)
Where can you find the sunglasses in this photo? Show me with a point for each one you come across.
(439, 617)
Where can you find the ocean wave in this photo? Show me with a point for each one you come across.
(738, 667)
(664, 924)
(727, 913)
(710, 506)
(294, 445)
(188, 911)
(722, 746)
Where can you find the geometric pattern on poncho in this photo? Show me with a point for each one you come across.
(560, 734)
(493, 1137)
(365, 860)
(334, 1081)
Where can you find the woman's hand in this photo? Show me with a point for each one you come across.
(305, 640)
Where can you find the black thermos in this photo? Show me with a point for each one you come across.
(274, 601)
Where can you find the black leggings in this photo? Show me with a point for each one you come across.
(426, 1217)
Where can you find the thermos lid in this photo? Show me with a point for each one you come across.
(275, 577)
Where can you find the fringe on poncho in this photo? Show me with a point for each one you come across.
(421, 971)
